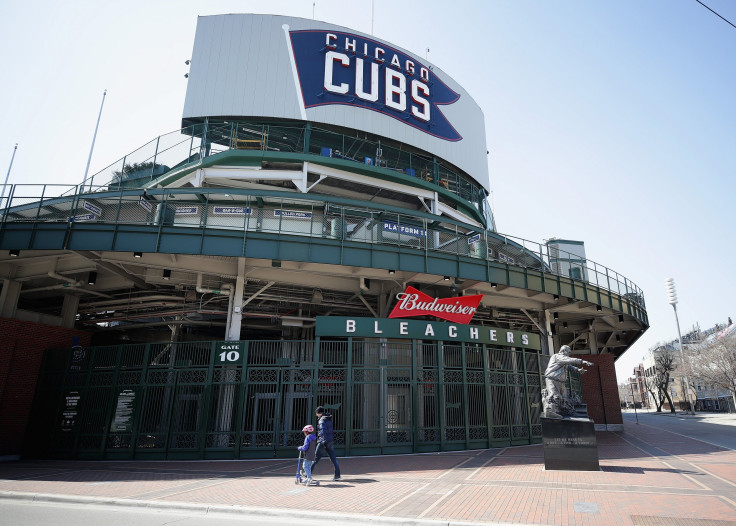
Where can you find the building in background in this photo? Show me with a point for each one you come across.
(317, 233)
(705, 395)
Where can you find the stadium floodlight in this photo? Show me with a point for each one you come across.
(671, 291)
(672, 299)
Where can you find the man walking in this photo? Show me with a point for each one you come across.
(325, 440)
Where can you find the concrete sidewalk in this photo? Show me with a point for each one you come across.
(648, 477)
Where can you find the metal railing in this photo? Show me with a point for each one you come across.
(194, 143)
(269, 212)
(187, 400)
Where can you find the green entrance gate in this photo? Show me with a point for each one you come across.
(250, 399)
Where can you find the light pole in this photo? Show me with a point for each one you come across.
(633, 401)
(672, 298)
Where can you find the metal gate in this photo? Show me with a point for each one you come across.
(251, 399)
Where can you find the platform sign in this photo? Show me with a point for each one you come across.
(81, 217)
(145, 204)
(292, 214)
(406, 230)
(231, 210)
(96, 210)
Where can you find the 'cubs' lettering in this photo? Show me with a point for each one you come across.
(392, 89)
(416, 87)
(330, 58)
(395, 80)
(372, 95)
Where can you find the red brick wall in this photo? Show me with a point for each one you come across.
(600, 390)
(21, 352)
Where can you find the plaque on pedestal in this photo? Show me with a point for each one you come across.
(569, 444)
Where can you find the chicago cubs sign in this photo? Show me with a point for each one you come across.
(415, 303)
(344, 68)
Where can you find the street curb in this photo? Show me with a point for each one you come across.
(218, 509)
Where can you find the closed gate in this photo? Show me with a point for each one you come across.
(194, 400)
(276, 408)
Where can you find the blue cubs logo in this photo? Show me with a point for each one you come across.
(342, 68)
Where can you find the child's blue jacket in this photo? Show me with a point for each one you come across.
(310, 446)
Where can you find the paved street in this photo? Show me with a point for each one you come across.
(714, 428)
(649, 477)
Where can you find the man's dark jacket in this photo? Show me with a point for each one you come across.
(324, 429)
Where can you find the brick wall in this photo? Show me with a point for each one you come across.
(21, 352)
(600, 390)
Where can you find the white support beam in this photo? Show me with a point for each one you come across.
(260, 291)
(361, 298)
(533, 321)
(237, 303)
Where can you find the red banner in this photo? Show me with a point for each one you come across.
(415, 303)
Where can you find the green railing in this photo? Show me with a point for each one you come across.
(194, 143)
(250, 399)
(318, 217)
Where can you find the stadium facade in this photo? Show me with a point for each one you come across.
(317, 233)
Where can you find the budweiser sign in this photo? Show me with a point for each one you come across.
(415, 303)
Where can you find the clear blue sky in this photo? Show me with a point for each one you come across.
(610, 122)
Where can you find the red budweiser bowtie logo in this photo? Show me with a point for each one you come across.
(415, 303)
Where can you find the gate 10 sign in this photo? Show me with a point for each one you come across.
(229, 353)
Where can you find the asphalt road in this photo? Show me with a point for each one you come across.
(28, 513)
(716, 429)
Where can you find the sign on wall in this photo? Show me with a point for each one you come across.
(345, 68)
(229, 353)
(412, 302)
(338, 326)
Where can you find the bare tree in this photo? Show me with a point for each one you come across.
(714, 363)
(650, 383)
(658, 385)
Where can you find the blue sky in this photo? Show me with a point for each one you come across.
(610, 122)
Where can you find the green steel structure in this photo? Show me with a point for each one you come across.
(248, 399)
(202, 263)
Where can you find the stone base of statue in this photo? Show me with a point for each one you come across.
(569, 444)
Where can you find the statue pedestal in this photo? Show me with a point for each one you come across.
(569, 444)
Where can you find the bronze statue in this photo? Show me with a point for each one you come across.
(558, 403)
